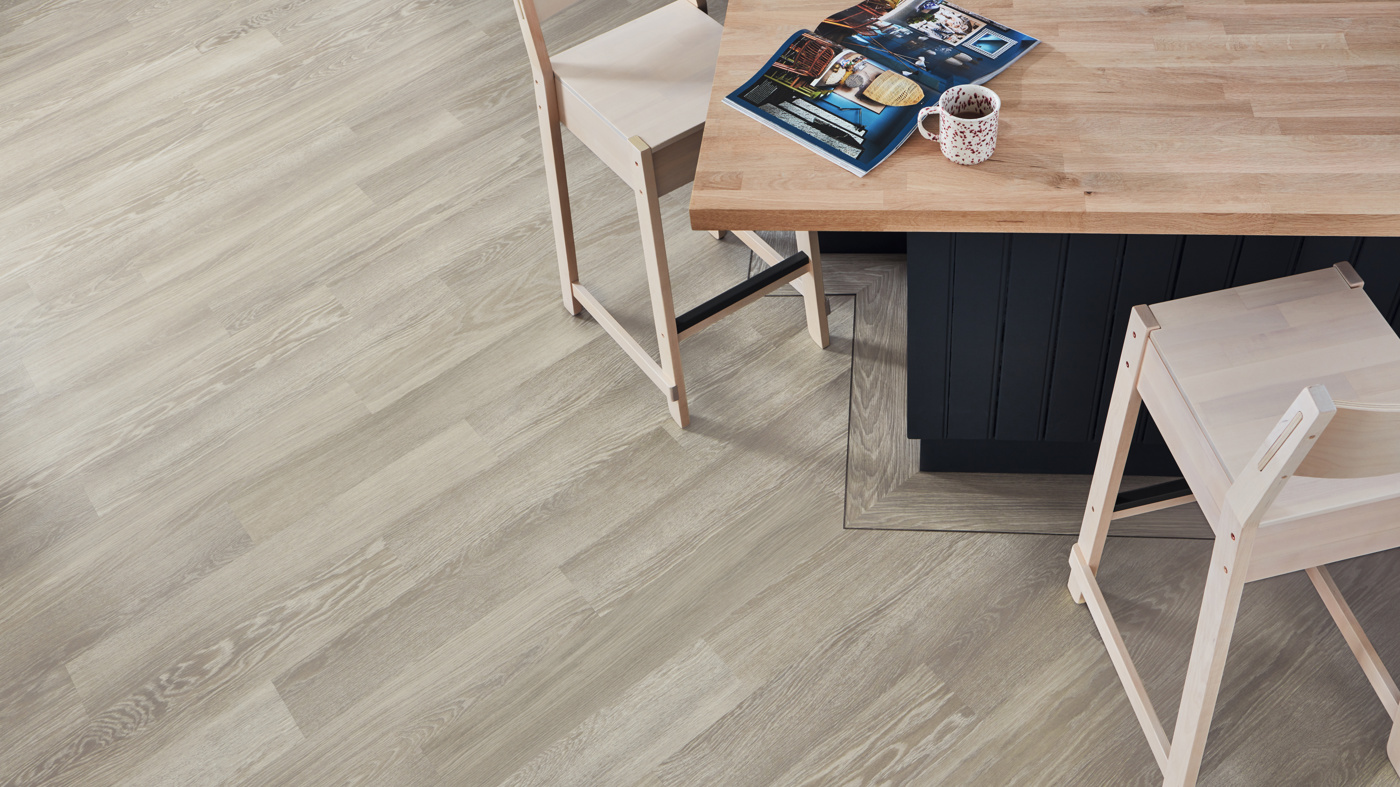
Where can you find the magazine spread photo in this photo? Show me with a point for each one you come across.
(852, 89)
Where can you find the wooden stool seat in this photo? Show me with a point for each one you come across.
(1289, 481)
(1229, 362)
(648, 78)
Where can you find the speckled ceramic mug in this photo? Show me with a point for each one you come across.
(964, 140)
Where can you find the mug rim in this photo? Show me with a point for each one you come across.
(947, 113)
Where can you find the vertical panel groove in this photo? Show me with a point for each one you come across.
(1001, 334)
(1176, 265)
(1107, 344)
(1060, 266)
(1234, 261)
(1297, 255)
(948, 350)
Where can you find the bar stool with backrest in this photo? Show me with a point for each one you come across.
(1281, 403)
(636, 96)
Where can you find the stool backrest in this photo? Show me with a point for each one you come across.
(1361, 441)
(531, 13)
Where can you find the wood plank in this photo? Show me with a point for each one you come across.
(233, 747)
(653, 718)
(308, 480)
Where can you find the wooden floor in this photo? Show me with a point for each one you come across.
(307, 478)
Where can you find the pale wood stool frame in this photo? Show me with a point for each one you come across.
(651, 172)
(1300, 444)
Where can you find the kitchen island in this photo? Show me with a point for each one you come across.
(1146, 152)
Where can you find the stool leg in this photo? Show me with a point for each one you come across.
(1219, 608)
(1393, 748)
(815, 300)
(663, 310)
(558, 183)
(719, 234)
(1113, 450)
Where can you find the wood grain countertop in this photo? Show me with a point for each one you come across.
(1252, 118)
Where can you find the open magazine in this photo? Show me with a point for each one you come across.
(851, 90)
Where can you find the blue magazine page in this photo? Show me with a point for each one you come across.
(851, 90)
(823, 95)
(938, 43)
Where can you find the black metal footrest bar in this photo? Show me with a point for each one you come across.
(1148, 495)
(755, 285)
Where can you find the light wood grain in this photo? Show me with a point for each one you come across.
(1235, 355)
(1249, 497)
(1128, 118)
(1356, 638)
(307, 479)
(1362, 441)
(652, 719)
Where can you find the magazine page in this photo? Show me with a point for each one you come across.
(852, 89)
(852, 107)
(936, 43)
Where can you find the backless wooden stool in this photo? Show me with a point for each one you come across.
(636, 96)
(1242, 384)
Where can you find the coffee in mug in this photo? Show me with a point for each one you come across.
(967, 132)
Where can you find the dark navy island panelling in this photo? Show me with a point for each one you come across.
(974, 352)
(1032, 290)
(1012, 337)
(1086, 313)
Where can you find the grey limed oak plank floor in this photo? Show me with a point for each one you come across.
(307, 479)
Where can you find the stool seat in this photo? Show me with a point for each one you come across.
(1230, 361)
(648, 78)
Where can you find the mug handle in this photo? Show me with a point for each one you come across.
(932, 109)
